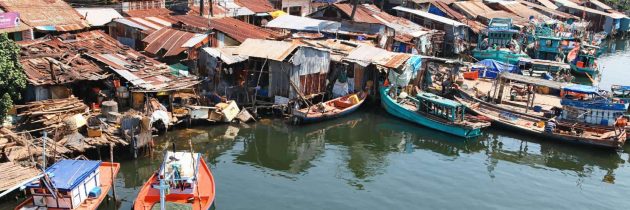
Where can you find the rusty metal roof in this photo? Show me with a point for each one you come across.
(54, 61)
(217, 11)
(362, 13)
(82, 57)
(240, 31)
(472, 8)
(448, 10)
(259, 48)
(168, 39)
(257, 6)
(148, 12)
(520, 9)
(55, 15)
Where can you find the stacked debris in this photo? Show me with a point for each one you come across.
(49, 114)
(22, 148)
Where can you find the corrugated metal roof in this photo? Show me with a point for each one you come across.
(198, 38)
(572, 5)
(361, 14)
(225, 54)
(99, 16)
(548, 4)
(424, 14)
(550, 10)
(365, 55)
(168, 39)
(303, 24)
(443, 6)
(402, 26)
(472, 8)
(148, 12)
(130, 23)
(257, 6)
(274, 50)
(240, 30)
(54, 15)
(521, 10)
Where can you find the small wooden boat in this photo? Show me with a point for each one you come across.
(71, 184)
(334, 108)
(566, 131)
(184, 179)
(434, 112)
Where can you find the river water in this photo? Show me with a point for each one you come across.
(371, 160)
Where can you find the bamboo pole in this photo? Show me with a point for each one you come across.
(111, 160)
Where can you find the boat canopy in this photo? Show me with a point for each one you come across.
(438, 100)
(68, 174)
(584, 89)
(532, 80)
(497, 66)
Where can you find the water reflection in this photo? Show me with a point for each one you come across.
(365, 140)
(582, 161)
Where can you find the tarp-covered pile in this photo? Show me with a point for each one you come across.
(489, 68)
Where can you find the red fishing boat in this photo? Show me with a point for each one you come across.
(184, 180)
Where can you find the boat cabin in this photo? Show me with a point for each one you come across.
(500, 33)
(582, 103)
(441, 107)
(499, 42)
(179, 170)
(68, 184)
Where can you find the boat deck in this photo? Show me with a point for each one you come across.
(485, 86)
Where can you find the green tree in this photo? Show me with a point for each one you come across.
(12, 78)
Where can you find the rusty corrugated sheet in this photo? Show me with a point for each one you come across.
(46, 13)
(472, 8)
(257, 6)
(217, 11)
(443, 6)
(240, 31)
(395, 61)
(167, 39)
(98, 50)
(521, 10)
(362, 14)
(148, 12)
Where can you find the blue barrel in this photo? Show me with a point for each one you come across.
(95, 192)
(537, 108)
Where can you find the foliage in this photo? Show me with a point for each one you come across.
(12, 78)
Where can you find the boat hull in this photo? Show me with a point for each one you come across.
(395, 109)
(202, 199)
(496, 121)
(581, 71)
(302, 118)
(106, 179)
(499, 55)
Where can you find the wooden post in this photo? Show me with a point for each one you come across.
(111, 160)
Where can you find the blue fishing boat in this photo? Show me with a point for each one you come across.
(432, 111)
(587, 104)
(498, 42)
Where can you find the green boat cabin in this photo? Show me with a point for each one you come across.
(441, 107)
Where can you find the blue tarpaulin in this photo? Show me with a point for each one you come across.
(585, 89)
(68, 174)
(489, 68)
(436, 11)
